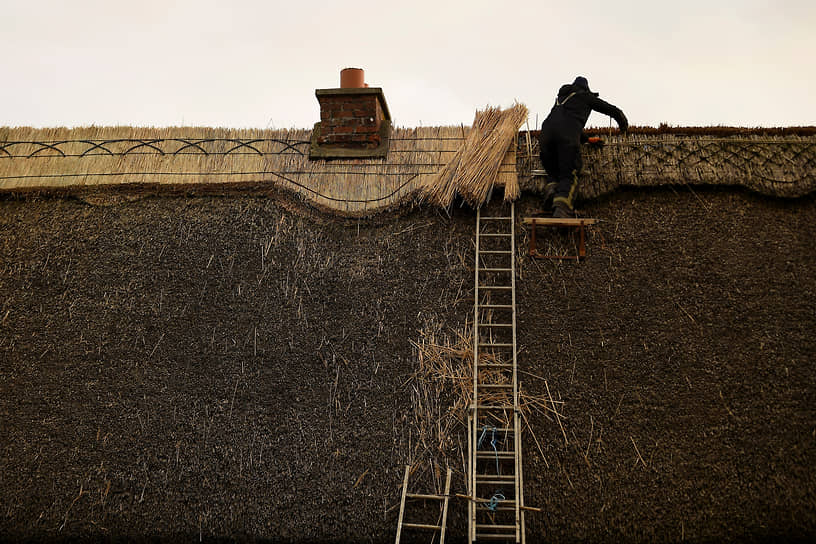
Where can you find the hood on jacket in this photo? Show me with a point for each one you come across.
(582, 83)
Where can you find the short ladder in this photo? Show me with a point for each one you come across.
(402, 524)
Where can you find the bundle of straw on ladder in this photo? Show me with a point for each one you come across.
(475, 166)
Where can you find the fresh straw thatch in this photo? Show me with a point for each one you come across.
(158, 160)
(474, 169)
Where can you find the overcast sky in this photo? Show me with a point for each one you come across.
(257, 63)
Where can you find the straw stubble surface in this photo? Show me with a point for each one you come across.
(220, 368)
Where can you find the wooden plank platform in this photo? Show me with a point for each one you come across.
(559, 222)
(572, 222)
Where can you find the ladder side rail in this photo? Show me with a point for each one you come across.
(445, 507)
(520, 461)
(402, 503)
(472, 518)
(513, 302)
(472, 489)
(517, 439)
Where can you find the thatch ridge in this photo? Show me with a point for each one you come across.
(93, 158)
(204, 159)
(774, 165)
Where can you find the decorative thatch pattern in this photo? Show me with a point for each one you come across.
(782, 165)
(204, 159)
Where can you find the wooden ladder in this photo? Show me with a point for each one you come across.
(496, 506)
(402, 524)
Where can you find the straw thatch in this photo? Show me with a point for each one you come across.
(93, 159)
(442, 393)
(775, 163)
(474, 169)
(106, 159)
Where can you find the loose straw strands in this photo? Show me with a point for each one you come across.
(443, 390)
(474, 169)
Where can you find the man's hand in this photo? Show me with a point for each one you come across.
(595, 142)
(623, 123)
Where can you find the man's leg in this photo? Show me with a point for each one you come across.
(569, 166)
(549, 161)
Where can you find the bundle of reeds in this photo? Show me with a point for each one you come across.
(474, 168)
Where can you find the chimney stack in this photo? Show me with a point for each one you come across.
(354, 120)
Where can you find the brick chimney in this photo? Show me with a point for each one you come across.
(354, 120)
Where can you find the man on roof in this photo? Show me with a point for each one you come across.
(562, 134)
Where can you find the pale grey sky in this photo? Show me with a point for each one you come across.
(257, 63)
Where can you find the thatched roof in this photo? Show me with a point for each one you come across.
(205, 159)
(779, 162)
(775, 162)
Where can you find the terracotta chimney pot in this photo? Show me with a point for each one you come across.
(352, 78)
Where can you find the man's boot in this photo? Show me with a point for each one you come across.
(549, 194)
(547, 201)
(562, 211)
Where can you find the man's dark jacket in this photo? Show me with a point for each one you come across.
(572, 108)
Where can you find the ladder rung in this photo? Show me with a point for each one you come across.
(422, 526)
(493, 455)
(496, 306)
(498, 429)
(423, 496)
(495, 527)
(495, 234)
(493, 481)
(495, 218)
(497, 287)
(496, 385)
(495, 324)
(496, 365)
(494, 252)
(495, 536)
(498, 477)
(494, 407)
(499, 345)
(481, 501)
(498, 508)
(495, 270)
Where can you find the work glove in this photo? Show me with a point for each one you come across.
(595, 142)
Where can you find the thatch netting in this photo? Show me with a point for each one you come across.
(91, 159)
(777, 165)
(474, 169)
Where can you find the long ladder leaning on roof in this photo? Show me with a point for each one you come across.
(496, 506)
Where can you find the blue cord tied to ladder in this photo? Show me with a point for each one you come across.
(484, 434)
(495, 500)
(493, 442)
